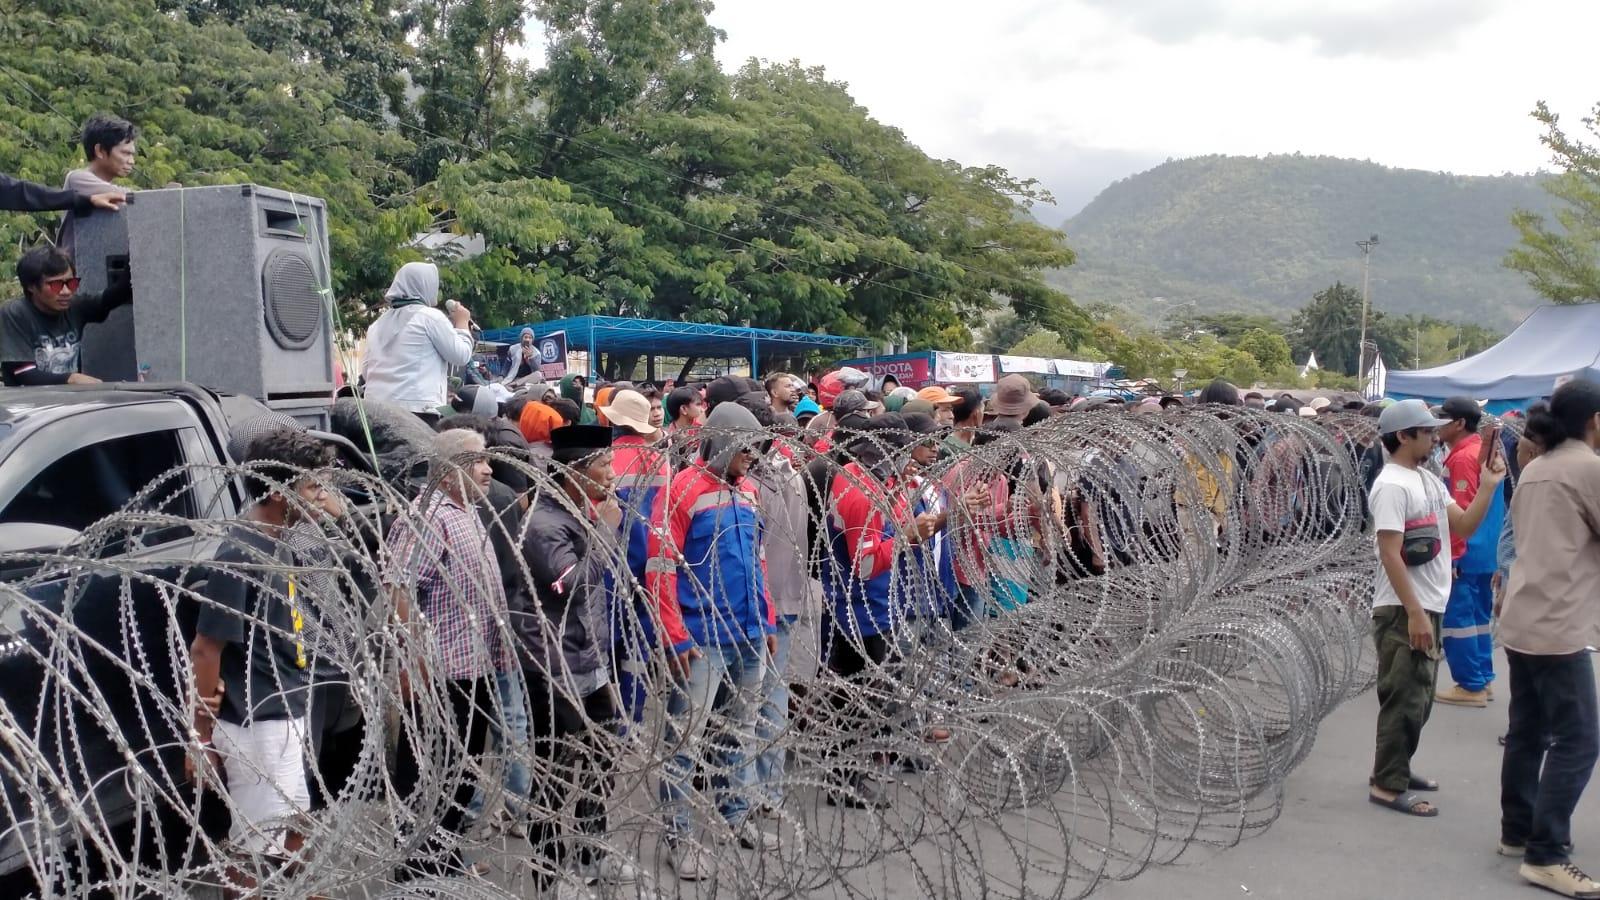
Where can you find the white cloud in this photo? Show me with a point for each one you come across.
(1064, 90)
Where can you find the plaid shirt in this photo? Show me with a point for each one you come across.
(447, 558)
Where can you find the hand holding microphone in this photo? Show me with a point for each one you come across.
(460, 316)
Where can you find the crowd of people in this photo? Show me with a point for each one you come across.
(700, 533)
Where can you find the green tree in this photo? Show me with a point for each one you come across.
(1003, 331)
(1330, 327)
(213, 109)
(1562, 259)
(1228, 327)
(360, 43)
(1422, 341)
(1269, 348)
(1043, 343)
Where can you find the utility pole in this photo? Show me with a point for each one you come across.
(1366, 279)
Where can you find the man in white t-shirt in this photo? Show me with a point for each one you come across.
(1414, 516)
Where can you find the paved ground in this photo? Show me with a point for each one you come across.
(1331, 843)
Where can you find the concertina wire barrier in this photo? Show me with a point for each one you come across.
(1095, 723)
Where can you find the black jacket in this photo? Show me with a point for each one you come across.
(560, 619)
(25, 196)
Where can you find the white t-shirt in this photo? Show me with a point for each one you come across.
(1404, 498)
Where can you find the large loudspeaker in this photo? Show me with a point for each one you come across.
(227, 292)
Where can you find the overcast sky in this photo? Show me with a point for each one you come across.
(1079, 93)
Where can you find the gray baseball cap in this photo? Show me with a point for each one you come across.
(1408, 414)
(853, 401)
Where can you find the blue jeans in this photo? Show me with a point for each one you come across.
(1468, 644)
(775, 718)
(511, 736)
(1551, 749)
(721, 699)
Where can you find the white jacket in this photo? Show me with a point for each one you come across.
(409, 354)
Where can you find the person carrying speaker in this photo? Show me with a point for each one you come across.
(411, 347)
(41, 333)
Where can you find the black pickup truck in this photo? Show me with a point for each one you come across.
(69, 457)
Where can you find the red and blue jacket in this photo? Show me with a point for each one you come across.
(643, 475)
(711, 565)
(858, 570)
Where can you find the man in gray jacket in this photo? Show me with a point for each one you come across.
(783, 504)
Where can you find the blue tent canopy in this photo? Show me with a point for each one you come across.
(654, 337)
(1551, 346)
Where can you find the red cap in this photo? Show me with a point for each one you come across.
(829, 389)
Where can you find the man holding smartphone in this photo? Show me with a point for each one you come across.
(1415, 518)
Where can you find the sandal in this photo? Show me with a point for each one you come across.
(1406, 803)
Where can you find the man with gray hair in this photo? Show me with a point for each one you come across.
(440, 557)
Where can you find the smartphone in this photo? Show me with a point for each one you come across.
(1496, 448)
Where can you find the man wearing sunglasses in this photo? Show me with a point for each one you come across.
(41, 333)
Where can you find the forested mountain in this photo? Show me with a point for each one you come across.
(1264, 235)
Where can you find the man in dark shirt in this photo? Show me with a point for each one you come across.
(41, 333)
(248, 637)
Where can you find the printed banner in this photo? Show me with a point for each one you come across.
(1032, 365)
(909, 372)
(1074, 368)
(553, 354)
(963, 368)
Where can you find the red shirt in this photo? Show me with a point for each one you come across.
(1462, 467)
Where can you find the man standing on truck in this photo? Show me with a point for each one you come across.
(41, 333)
(248, 639)
(109, 148)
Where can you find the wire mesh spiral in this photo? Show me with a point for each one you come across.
(1124, 694)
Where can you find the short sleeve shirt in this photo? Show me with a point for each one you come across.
(250, 605)
(53, 343)
(1405, 498)
(87, 183)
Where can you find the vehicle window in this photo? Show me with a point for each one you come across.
(93, 482)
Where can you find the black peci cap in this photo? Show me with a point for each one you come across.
(580, 437)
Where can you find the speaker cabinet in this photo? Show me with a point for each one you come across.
(227, 291)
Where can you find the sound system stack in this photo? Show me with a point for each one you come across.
(228, 292)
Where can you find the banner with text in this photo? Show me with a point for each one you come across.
(963, 368)
(909, 372)
(553, 354)
(1031, 365)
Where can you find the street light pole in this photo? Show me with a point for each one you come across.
(1366, 277)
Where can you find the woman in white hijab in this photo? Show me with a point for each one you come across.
(411, 347)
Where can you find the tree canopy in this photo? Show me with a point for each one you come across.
(1561, 258)
(628, 175)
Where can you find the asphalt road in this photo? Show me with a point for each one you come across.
(1331, 843)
